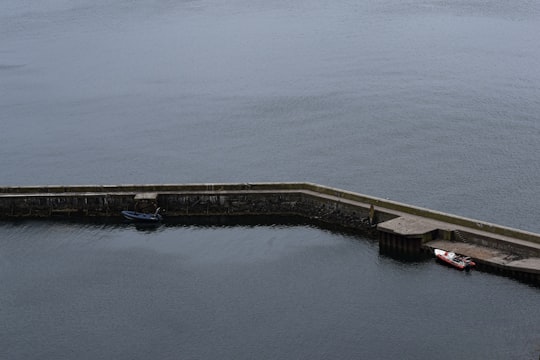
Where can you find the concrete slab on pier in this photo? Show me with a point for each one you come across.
(410, 225)
(489, 256)
(146, 196)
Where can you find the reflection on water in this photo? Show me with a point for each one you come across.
(405, 257)
(282, 291)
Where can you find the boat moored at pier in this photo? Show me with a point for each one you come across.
(142, 217)
(458, 261)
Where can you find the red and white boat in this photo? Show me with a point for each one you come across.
(458, 261)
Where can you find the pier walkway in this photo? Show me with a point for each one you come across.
(515, 255)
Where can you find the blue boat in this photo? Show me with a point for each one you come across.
(142, 217)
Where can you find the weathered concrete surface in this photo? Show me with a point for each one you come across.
(410, 226)
(413, 226)
(146, 196)
(508, 262)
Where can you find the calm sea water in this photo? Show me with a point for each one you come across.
(250, 292)
(431, 103)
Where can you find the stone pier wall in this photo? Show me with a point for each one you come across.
(309, 200)
(400, 227)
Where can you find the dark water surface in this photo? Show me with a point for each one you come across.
(281, 292)
(427, 102)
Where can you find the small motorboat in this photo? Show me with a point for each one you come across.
(142, 217)
(458, 261)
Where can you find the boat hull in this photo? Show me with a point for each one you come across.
(457, 261)
(141, 217)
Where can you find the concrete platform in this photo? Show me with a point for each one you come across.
(146, 196)
(411, 225)
(489, 256)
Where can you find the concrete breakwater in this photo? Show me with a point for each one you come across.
(399, 226)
